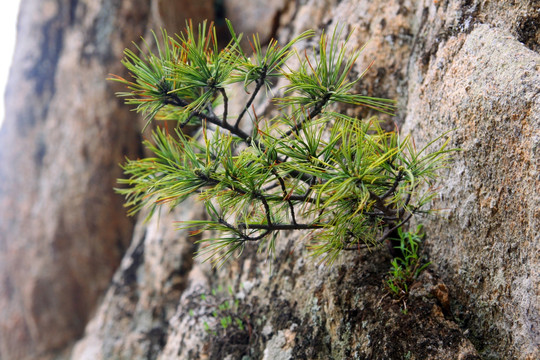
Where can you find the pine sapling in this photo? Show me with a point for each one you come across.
(347, 181)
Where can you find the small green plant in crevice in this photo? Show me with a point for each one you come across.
(347, 181)
(224, 315)
(406, 267)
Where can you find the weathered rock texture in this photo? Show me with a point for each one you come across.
(486, 85)
(472, 66)
(62, 229)
(134, 316)
(256, 17)
(484, 81)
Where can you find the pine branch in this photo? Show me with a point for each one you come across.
(259, 84)
(317, 109)
(172, 99)
(225, 106)
(359, 183)
(277, 227)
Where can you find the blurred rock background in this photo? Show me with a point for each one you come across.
(80, 280)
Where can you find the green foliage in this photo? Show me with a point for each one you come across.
(222, 312)
(406, 268)
(347, 182)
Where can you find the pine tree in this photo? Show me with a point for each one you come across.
(347, 181)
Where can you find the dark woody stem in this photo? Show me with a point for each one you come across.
(174, 100)
(210, 117)
(259, 83)
(274, 227)
(285, 195)
(225, 106)
(314, 112)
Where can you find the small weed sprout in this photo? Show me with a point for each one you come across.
(407, 267)
(224, 314)
(347, 181)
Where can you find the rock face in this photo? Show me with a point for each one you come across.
(63, 231)
(133, 319)
(257, 17)
(486, 85)
(468, 66)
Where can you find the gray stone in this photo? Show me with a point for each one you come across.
(486, 86)
(63, 231)
(133, 318)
